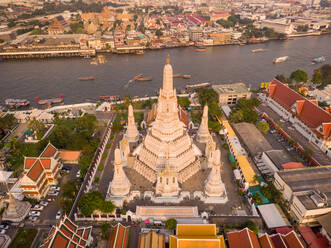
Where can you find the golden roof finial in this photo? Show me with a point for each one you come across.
(168, 59)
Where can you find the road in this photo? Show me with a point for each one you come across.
(317, 153)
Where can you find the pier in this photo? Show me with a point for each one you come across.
(46, 53)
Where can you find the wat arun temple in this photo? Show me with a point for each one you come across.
(167, 158)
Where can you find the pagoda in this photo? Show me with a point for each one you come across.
(120, 185)
(132, 133)
(203, 132)
(167, 141)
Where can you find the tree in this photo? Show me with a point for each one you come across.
(263, 127)
(183, 101)
(92, 201)
(281, 78)
(171, 224)
(251, 225)
(299, 76)
(38, 127)
(257, 198)
(158, 33)
(317, 77)
(104, 230)
(307, 152)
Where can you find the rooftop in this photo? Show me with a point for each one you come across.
(231, 88)
(272, 216)
(278, 157)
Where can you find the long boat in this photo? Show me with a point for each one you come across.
(319, 60)
(50, 101)
(197, 86)
(137, 77)
(200, 49)
(178, 75)
(86, 78)
(280, 59)
(17, 102)
(144, 79)
(257, 50)
(186, 76)
(110, 98)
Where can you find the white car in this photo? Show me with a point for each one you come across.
(34, 213)
(33, 218)
(44, 203)
(58, 215)
(4, 226)
(53, 193)
(2, 231)
(38, 207)
(78, 174)
(54, 188)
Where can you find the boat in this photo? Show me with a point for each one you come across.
(50, 101)
(140, 52)
(144, 79)
(280, 59)
(197, 86)
(186, 76)
(137, 77)
(101, 59)
(200, 49)
(87, 56)
(110, 98)
(94, 62)
(177, 75)
(86, 78)
(319, 60)
(257, 50)
(17, 102)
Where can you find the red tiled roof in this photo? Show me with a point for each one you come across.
(266, 242)
(69, 224)
(46, 163)
(278, 241)
(118, 236)
(60, 240)
(284, 230)
(292, 165)
(28, 162)
(49, 151)
(244, 238)
(308, 112)
(36, 170)
(312, 239)
(293, 240)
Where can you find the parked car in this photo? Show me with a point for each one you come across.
(53, 193)
(78, 174)
(58, 215)
(34, 213)
(273, 131)
(4, 226)
(44, 203)
(2, 231)
(33, 218)
(38, 207)
(55, 188)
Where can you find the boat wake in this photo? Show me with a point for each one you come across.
(128, 83)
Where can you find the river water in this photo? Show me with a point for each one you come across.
(48, 78)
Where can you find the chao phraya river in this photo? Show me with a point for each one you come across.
(48, 78)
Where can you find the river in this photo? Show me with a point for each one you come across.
(48, 78)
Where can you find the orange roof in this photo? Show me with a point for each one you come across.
(35, 171)
(244, 238)
(28, 162)
(292, 165)
(49, 151)
(118, 236)
(293, 240)
(60, 240)
(266, 242)
(196, 230)
(67, 155)
(46, 162)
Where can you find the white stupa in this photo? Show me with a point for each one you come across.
(120, 185)
(132, 133)
(214, 186)
(203, 132)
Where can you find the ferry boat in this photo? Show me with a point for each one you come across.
(280, 59)
(200, 49)
(144, 79)
(319, 60)
(50, 101)
(101, 59)
(86, 78)
(186, 76)
(140, 52)
(94, 62)
(17, 102)
(197, 86)
(137, 77)
(257, 50)
(178, 75)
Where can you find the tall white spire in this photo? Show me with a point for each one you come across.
(120, 185)
(132, 133)
(214, 185)
(203, 132)
(168, 77)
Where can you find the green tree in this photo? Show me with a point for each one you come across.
(92, 201)
(104, 230)
(237, 116)
(281, 78)
(38, 127)
(158, 33)
(257, 198)
(307, 152)
(299, 76)
(183, 101)
(317, 77)
(171, 224)
(263, 127)
(252, 226)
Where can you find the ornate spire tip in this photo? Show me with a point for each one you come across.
(168, 59)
